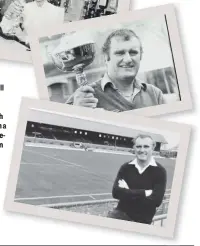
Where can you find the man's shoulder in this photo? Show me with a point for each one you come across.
(126, 165)
(151, 88)
(161, 168)
(96, 85)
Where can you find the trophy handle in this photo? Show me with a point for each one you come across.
(80, 74)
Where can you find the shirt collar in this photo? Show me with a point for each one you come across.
(106, 80)
(141, 170)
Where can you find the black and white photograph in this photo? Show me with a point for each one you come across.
(17, 16)
(134, 63)
(97, 164)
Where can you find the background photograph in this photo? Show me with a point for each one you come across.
(17, 15)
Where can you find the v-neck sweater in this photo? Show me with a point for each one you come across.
(111, 99)
(133, 201)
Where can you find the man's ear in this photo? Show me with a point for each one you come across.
(106, 58)
(141, 56)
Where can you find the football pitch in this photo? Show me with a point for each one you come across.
(55, 176)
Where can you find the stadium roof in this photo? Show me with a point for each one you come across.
(63, 120)
(175, 148)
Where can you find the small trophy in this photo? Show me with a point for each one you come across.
(73, 54)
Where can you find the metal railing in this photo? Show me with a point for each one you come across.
(161, 213)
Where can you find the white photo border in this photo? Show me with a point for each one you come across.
(14, 55)
(103, 118)
(165, 10)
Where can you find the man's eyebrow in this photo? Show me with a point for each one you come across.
(139, 145)
(121, 50)
(134, 49)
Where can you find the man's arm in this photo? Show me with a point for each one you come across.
(124, 193)
(154, 196)
(83, 96)
(158, 191)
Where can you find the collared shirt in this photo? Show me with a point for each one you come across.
(110, 98)
(137, 87)
(140, 169)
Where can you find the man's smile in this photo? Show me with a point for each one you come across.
(127, 66)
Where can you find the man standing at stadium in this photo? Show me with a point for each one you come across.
(119, 89)
(140, 184)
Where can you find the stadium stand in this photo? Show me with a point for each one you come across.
(40, 130)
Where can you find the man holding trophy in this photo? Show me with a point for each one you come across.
(119, 90)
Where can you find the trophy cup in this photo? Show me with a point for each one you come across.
(75, 52)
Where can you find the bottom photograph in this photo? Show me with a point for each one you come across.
(97, 164)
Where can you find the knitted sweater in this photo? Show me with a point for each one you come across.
(133, 201)
(110, 98)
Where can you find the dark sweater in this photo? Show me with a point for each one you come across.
(134, 201)
(110, 99)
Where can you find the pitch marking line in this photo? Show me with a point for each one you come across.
(66, 196)
(72, 163)
(54, 158)
(47, 164)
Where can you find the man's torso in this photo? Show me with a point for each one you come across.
(111, 99)
(140, 210)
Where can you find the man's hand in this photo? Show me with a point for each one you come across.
(122, 184)
(148, 192)
(84, 96)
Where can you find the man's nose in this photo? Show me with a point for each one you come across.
(127, 57)
(142, 149)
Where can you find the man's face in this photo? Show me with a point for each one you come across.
(124, 60)
(143, 149)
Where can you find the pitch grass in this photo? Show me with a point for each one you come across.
(53, 173)
(97, 209)
(94, 209)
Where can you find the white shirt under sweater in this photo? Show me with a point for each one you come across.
(140, 169)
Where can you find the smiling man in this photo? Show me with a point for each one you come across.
(119, 89)
(140, 184)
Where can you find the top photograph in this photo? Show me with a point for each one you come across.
(16, 16)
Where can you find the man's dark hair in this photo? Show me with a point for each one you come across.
(125, 34)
